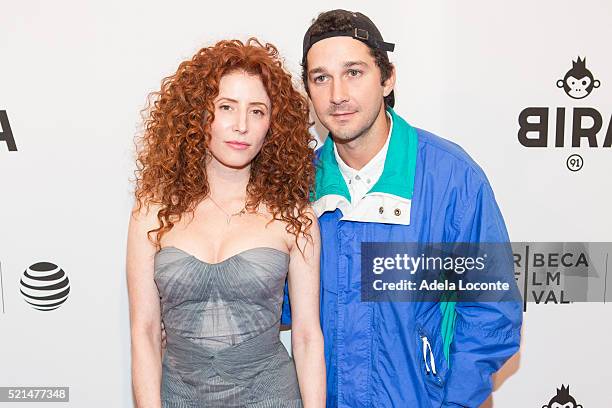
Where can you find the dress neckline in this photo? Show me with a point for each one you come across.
(238, 254)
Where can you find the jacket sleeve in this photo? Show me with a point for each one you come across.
(286, 312)
(486, 334)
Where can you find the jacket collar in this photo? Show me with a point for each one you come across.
(389, 199)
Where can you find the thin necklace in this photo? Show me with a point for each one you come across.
(228, 216)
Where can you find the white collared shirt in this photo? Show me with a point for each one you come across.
(359, 182)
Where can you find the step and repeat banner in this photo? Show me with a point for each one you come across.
(525, 87)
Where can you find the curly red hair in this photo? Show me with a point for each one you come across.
(172, 149)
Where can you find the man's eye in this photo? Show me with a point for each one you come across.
(354, 72)
(319, 78)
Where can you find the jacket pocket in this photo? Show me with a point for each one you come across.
(432, 364)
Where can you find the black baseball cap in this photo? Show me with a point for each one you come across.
(361, 28)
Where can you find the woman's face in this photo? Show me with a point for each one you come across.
(242, 119)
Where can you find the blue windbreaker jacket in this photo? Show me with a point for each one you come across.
(408, 354)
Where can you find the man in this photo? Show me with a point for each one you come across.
(381, 180)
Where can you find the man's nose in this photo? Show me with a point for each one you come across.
(339, 92)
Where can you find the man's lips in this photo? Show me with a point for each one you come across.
(235, 144)
(342, 116)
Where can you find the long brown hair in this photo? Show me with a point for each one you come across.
(172, 150)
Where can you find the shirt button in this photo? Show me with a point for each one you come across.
(397, 212)
(381, 210)
(368, 181)
(357, 177)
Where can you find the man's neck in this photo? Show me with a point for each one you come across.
(358, 152)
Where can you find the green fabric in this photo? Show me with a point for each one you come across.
(328, 179)
(447, 329)
(397, 177)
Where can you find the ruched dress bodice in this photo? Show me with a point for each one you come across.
(222, 324)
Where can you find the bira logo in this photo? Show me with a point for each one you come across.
(574, 127)
(6, 134)
(578, 82)
(563, 399)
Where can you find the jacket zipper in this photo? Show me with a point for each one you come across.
(428, 352)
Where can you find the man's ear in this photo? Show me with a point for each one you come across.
(389, 84)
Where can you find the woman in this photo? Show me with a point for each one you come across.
(221, 220)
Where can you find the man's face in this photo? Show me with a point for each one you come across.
(344, 83)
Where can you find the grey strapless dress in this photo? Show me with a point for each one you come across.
(222, 325)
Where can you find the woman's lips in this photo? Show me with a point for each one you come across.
(234, 144)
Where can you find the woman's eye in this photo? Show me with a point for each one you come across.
(258, 112)
(225, 107)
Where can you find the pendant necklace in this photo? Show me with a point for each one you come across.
(228, 216)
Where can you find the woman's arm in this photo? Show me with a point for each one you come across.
(306, 335)
(144, 310)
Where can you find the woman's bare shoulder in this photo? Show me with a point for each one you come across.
(309, 226)
(143, 218)
(146, 212)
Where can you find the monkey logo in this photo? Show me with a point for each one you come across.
(563, 399)
(578, 81)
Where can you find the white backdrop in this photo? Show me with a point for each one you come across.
(74, 76)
